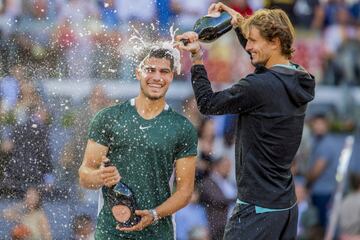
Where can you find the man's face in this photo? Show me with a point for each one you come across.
(259, 48)
(319, 126)
(155, 77)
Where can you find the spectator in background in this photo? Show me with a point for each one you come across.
(304, 11)
(9, 93)
(308, 221)
(81, 19)
(287, 6)
(350, 211)
(132, 14)
(206, 138)
(188, 11)
(31, 159)
(33, 31)
(355, 11)
(322, 166)
(30, 217)
(9, 88)
(336, 35)
(326, 13)
(82, 228)
(199, 233)
(241, 6)
(106, 63)
(190, 217)
(218, 194)
(72, 154)
(9, 10)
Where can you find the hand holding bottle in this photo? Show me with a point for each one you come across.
(109, 173)
(192, 45)
(192, 39)
(216, 8)
(146, 220)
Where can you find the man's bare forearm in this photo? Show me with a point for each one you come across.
(174, 203)
(89, 178)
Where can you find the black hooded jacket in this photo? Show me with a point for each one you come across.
(271, 104)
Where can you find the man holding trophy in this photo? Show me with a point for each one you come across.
(134, 148)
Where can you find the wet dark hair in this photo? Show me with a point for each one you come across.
(156, 52)
(319, 115)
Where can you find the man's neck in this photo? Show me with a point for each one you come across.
(148, 108)
(277, 60)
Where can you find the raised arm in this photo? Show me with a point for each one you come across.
(92, 173)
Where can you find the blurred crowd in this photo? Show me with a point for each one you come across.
(90, 39)
(42, 147)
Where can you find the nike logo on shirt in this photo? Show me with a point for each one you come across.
(143, 128)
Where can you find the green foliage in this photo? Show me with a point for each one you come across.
(68, 119)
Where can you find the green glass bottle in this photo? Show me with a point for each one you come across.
(209, 28)
(122, 203)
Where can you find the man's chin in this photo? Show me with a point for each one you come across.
(154, 97)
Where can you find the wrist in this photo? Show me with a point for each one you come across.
(239, 19)
(197, 56)
(154, 215)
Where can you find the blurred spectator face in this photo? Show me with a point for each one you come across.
(109, 3)
(98, 98)
(32, 198)
(223, 167)
(207, 131)
(342, 16)
(319, 126)
(206, 136)
(39, 8)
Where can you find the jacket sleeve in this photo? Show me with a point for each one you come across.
(241, 37)
(240, 98)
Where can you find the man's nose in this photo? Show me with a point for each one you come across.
(248, 47)
(157, 75)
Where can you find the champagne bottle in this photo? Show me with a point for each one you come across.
(122, 203)
(211, 27)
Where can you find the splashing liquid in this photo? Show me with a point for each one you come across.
(138, 44)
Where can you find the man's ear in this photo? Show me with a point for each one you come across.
(137, 73)
(275, 42)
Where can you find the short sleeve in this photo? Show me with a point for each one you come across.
(324, 151)
(99, 129)
(187, 142)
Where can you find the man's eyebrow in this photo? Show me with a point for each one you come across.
(154, 67)
(149, 66)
